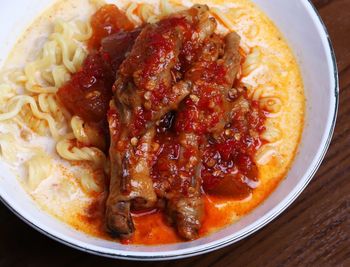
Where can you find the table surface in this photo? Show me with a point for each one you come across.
(313, 231)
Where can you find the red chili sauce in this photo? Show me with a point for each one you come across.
(156, 43)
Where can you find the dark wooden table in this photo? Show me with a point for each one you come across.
(314, 231)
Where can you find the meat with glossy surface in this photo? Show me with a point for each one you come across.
(211, 77)
(130, 183)
(116, 46)
(177, 171)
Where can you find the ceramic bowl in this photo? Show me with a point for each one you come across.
(306, 34)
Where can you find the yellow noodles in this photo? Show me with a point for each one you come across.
(62, 55)
(15, 105)
(70, 152)
(79, 132)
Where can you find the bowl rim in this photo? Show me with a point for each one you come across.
(250, 229)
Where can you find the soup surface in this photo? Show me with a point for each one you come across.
(150, 122)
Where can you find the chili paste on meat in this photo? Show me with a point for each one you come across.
(167, 98)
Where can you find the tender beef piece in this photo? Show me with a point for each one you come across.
(88, 92)
(144, 92)
(107, 20)
(116, 46)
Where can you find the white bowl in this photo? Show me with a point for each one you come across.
(305, 32)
